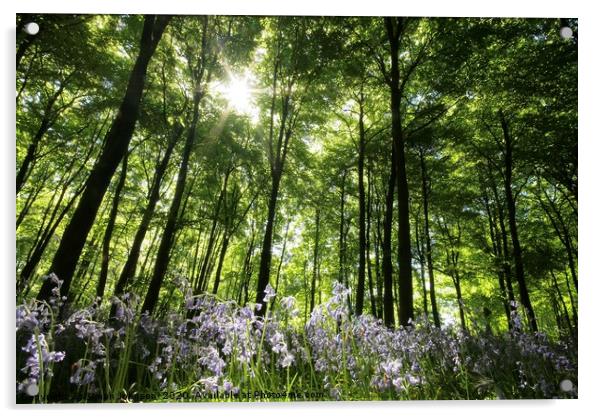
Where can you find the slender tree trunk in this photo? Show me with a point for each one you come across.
(116, 144)
(361, 276)
(368, 261)
(314, 276)
(422, 261)
(162, 259)
(505, 250)
(129, 269)
(388, 310)
(279, 269)
(247, 270)
(266, 249)
(204, 274)
(573, 304)
(498, 256)
(305, 291)
(222, 256)
(379, 281)
(427, 239)
(518, 254)
(563, 234)
(106, 242)
(457, 286)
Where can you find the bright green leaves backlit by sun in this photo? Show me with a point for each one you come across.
(239, 93)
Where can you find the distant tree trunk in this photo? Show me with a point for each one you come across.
(222, 256)
(518, 254)
(342, 276)
(116, 144)
(427, 238)
(204, 273)
(266, 248)
(106, 242)
(305, 290)
(420, 251)
(229, 229)
(279, 269)
(504, 246)
(406, 310)
(457, 286)
(314, 276)
(247, 270)
(162, 258)
(498, 256)
(565, 311)
(361, 276)
(129, 269)
(563, 235)
(379, 281)
(368, 261)
(388, 310)
(573, 304)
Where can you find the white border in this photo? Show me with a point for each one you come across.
(590, 154)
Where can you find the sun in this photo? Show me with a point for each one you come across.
(238, 92)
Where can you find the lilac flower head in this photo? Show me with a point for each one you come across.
(288, 303)
(269, 293)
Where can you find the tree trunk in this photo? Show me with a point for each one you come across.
(388, 310)
(162, 258)
(314, 276)
(563, 234)
(204, 273)
(222, 256)
(266, 249)
(518, 254)
(129, 269)
(116, 145)
(368, 262)
(405, 297)
(498, 257)
(379, 281)
(420, 250)
(106, 242)
(361, 276)
(427, 239)
(279, 269)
